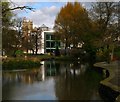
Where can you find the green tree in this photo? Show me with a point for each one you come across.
(6, 17)
(9, 40)
(10, 37)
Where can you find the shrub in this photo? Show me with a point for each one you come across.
(19, 53)
(22, 64)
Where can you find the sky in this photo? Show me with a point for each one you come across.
(44, 12)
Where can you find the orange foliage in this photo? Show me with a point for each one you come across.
(73, 20)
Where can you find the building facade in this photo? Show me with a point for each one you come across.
(48, 41)
(45, 38)
(27, 27)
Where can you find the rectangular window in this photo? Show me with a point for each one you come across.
(58, 43)
(47, 43)
(52, 37)
(53, 44)
(48, 37)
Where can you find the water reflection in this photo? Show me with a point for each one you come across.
(77, 87)
(53, 80)
(23, 77)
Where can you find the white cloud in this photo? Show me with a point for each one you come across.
(44, 15)
(64, 0)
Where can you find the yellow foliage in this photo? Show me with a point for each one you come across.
(71, 22)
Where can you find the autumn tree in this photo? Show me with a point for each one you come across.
(105, 16)
(72, 22)
(35, 40)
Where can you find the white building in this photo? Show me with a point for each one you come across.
(48, 42)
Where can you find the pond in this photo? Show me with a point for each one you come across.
(52, 81)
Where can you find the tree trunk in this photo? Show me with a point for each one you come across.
(36, 45)
(112, 54)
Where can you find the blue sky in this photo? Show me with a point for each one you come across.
(40, 5)
(45, 12)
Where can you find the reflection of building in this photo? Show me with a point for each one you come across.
(51, 68)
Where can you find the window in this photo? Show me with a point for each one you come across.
(58, 44)
(52, 44)
(47, 37)
(52, 37)
(47, 43)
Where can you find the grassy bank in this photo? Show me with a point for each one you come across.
(65, 58)
(29, 61)
(49, 57)
(19, 64)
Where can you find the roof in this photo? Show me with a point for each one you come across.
(50, 31)
(43, 26)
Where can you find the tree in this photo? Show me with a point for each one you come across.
(6, 17)
(9, 41)
(102, 12)
(105, 15)
(9, 9)
(35, 40)
(71, 23)
(10, 36)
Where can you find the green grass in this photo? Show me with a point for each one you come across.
(31, 61)
(21, 64)
(64, 58)
(117, 53)
(45, 57)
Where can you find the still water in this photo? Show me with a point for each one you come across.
(52, 81)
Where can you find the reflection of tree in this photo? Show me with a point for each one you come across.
(13, 79)
(81, 87)
(50, 69)
(67, 87)
(23, 77)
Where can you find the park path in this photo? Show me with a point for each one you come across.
(113, 81)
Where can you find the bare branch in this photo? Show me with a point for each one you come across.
(21, 8)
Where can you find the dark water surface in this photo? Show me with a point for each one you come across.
(52, 81)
